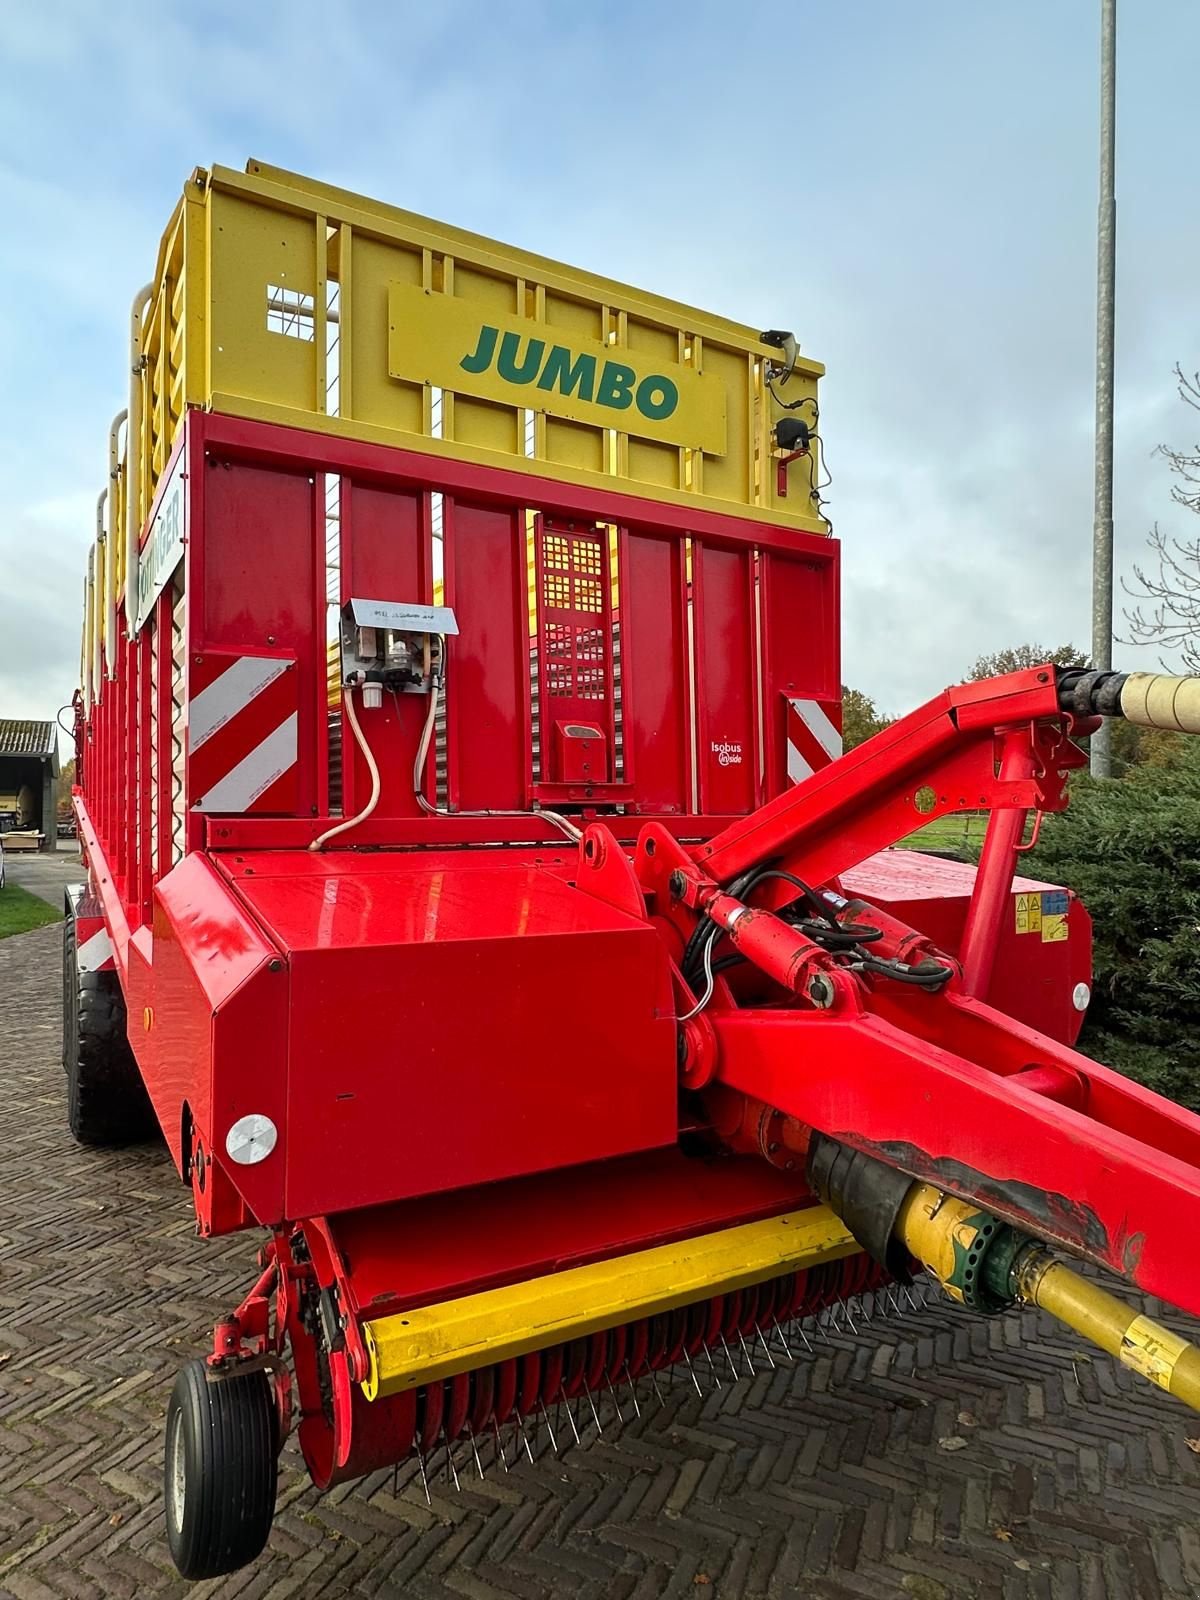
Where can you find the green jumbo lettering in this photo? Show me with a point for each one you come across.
(558, 370)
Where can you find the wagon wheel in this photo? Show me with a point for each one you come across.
(107, 1102)
(220, 1470)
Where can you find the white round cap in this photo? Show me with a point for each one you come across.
(251, 1139)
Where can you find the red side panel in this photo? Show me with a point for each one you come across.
(386, 554)
(256, 584)
(726, 653)
(655, 672)
(243, 717)
(487, 694)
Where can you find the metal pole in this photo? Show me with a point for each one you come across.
(1106, 254)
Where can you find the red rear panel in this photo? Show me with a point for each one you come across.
(256, 588)
(455, 1021)
(655, 673)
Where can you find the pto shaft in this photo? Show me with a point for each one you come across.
(988, 1265)
(1137, 1342)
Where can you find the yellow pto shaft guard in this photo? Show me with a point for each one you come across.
(1161, 700)
(1137, 1342)
(986, 1264)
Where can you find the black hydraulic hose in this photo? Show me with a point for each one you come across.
(1090, 694)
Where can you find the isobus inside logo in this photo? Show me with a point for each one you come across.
(555, 368)
(727, 751)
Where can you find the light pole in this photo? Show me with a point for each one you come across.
(1106, 254)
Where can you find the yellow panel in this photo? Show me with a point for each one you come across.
(458, 344)
(427, 1343)
(667, 399)
(374, 396)
(660, 346)
(480, 423)
(476, 421)
(654, 463)
(572, 445)
(581, 319)
(730, 476)
(255, 250)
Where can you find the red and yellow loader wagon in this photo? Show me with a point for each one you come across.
(547, 996)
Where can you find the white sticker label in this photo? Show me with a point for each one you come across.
(163, 548)
(728, 752)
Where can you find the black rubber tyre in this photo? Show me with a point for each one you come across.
(219, 1471)
(107, 1102)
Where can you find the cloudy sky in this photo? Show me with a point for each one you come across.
(911, 188)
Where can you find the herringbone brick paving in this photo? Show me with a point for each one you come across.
(936, 1456)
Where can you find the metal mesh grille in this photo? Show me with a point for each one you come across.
(572, 585)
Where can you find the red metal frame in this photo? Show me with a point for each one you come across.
(443, 1003)
(941, 1085)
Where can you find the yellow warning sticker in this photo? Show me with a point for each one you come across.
(1151, 1350)
(1029, 913)
(1044, 912)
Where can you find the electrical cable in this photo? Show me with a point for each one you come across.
(816, 465)
(708, 985)
(422, 756)
(352, 822)
(792, 405)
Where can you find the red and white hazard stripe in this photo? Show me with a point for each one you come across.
(93, 952)
(242, 733)
(93, 947)
(813, 740)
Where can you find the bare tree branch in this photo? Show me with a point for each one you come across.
(1166, 591)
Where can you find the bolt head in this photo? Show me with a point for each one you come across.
(821, 991)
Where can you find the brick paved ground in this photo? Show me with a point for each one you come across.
(831, 1480)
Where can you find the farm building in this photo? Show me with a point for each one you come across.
(28, 783)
